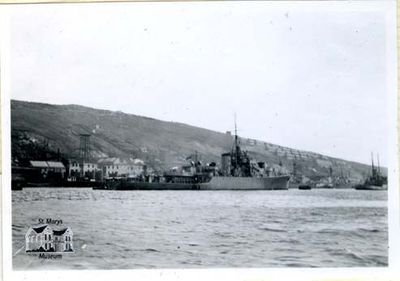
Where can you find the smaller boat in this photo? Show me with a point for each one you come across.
(370, 187)
(324, 185)
(375, 181)
(305, 187)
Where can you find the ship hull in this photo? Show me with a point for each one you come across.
(248, 183)
(370, 187)
(216, 183)
(124, 185)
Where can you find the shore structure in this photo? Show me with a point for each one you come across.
(76, 172)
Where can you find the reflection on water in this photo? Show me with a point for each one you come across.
(186, 229)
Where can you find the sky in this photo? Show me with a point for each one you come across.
(301, 75)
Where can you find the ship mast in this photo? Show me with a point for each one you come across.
(372, 159)
(236, 144)
(196, 165)
(341, 172)
(379, 167)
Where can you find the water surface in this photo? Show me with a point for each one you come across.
(196, 229)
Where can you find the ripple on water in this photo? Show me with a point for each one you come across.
(272, 229)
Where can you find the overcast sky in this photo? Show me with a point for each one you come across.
(299, 75)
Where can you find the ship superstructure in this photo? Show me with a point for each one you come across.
(240, 172)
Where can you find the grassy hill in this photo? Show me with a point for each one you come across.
(161, 144)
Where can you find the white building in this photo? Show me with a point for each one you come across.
(105, 168)
(78, 169)
(117, 167)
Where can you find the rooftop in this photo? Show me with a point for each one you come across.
(46, 164)
(121, 161)
(55, 164)
(39, 164)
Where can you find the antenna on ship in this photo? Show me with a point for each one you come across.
(235, 128)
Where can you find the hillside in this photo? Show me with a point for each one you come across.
(161, 144)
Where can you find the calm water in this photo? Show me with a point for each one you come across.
(186, 229)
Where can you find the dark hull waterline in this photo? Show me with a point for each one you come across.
(216, 183)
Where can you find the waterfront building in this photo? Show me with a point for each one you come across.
(74, 170)
(56, 167)
(118, 167)
(47, 170)
(39, 166)
(105, 168)
(79, 169)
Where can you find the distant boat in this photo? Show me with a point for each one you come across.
(324, 185)
(304, 187)
(370, 187)
(375, 181)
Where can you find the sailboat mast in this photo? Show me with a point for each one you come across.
(372, 160)
(379, 167)
(236, 144)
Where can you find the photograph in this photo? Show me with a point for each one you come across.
(199, 135)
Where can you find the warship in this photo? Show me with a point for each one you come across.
(238, 172)
(375, 181)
